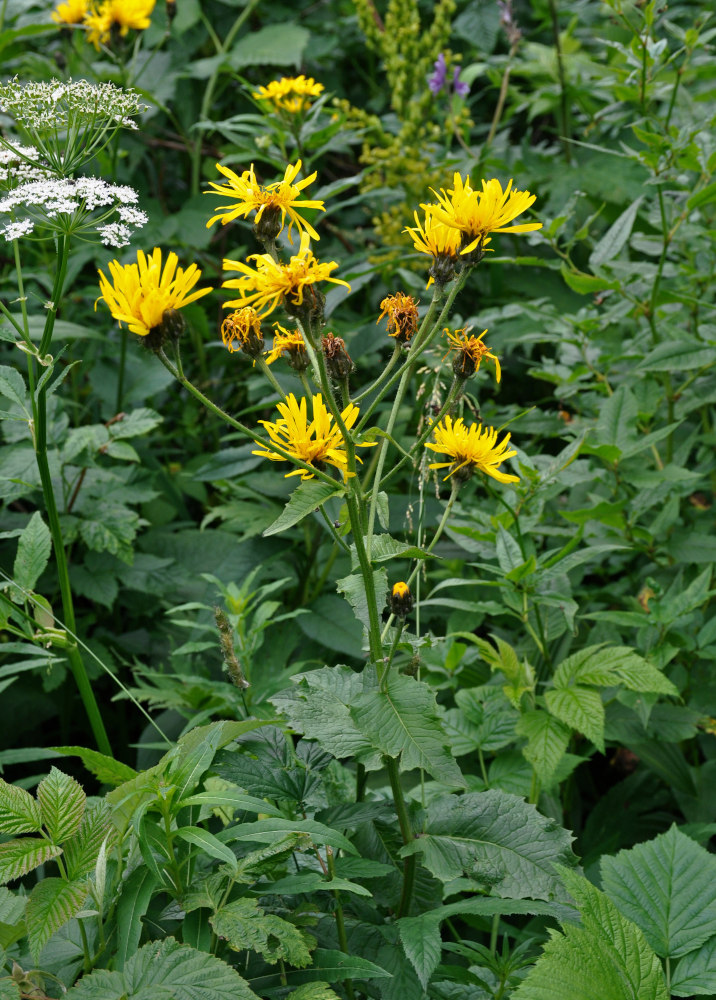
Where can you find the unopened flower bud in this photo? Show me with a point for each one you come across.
(442, 269)
(268, 225)
(400, 600)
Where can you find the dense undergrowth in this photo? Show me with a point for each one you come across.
(429, 713)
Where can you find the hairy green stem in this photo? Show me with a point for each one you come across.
(563, 104)
(391, 654)
(406, 832)
(340, 920)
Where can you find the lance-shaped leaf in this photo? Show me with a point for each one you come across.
(303, 501)
(496, 839)
(403, 721)
(62, 802)
(246, 927)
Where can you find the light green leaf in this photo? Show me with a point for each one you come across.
(335, 966)
(137, 891)
(9, 990)
(52, 904)
(274, 45)
(580, 708)
(617, 419)
(18, 857)
(547, 740)
(353, 589)
(607, 958)
(313, 991)
(82, 850)
(386, 547)
(615, 237)
(422, 944)
(266, 830)
(106, 769)
(245, 926)
(605, 666)
(304, 500)
(135, 424)
(497, 839)
(696, 972)
(12, 386)
(12, 906)
(165, 970)
(307, 882)
(62, 802)
(33, 553)
(229, 799)
(677, 356)
(208, 843)
(19, 812)
(404, 722)
(668, 888)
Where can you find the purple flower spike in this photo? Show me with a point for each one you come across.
(461, 89)
(437, 81)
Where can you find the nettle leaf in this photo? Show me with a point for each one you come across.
(9, 990)
(696, 972)
(12, 906)
(494, 718)
(19, 812)
(404, 722)
(547, 740)
(318, 707)
(82, 850)
(668, 887)
(62, 802)
(245, 926)
(33, 553)
(422, 944)
(386, 547)
(313, 991)
(607, 956)
(135, 424)
(580, 708)
(18, 857)
(165, 970)
(106, 769)
(12, 386)
(497, 839)
(52, 904)
(605, 666)
(307, 496)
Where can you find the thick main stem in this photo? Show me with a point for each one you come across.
(406, 832)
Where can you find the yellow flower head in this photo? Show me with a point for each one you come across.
(139, 294)
(317, 442)
(120, 14)
(71, 12)
(280, 198)
(401, 312)
(290, 343)
(471, 448)
(290, 93)
(439, 240)
(241, 331)
(470, 352)
(476, 214)
(270, 284)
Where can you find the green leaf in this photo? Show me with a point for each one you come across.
(586, 284)
(137, 891)
(547, 740)
(702, 197)
(615, 237)
(605, 666)
(52, 904)
(580, 708)
(496, 839)
(165, 970)
(106, 769)
(18, 857)
(303, 501)
(404, 722)
(617, 419)
(12, 386)
(82, 850)
(62, 802)
(33, 553)
(274, 45)
(331, 623)
(607, 958)
(135, 424)
(386, 547)
(488, 709)
(228, 799)
(12, 906)
(313, 991)
(319, 707)
(353, 589)
(266, 830)
(336, 966)
(668, 888)
(195, 751)
(245, 926)
(307, 882)
(9, 990)
(19, 812)
(208, 843)
(422, 944)
(677, 356)
(696, 972)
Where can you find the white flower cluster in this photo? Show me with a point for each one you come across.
(65, 206)
(18, 165)
(62, 105)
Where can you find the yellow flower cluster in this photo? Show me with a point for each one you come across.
(101, 19)
(291, 93)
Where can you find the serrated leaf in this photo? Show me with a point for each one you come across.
(404, 722)
(9, 990)
(615, 237)
(677, 356)
(497, 839)
(82, 850)
(52, 904)
(18, 857)
(353, 589)
(135, 424)
(313, 991)
(607, 957)
(580, 708)
(106, 769)
(62, 802)
(12, 386)
(696, 972)
(384, 547)
(166, 970)
(12, 906)
(547, 740)
(605, 666)
(245, 926)
(33, 553)
(668, 888)
(303, 501)
(422, 944)
(19, 812)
